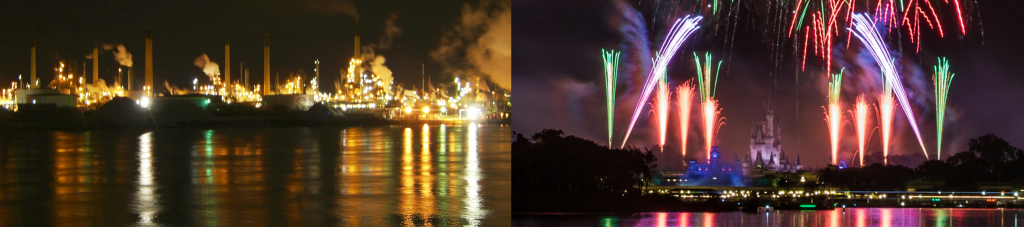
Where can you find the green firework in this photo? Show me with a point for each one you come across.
(835, 87)
(942, 80)
(611, 68)
(706, 83)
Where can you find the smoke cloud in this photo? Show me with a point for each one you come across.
(480, 43)
(332, 7)
(391, 31)
(382, 72)
(374, 62)
(121, 54)
(211, 69)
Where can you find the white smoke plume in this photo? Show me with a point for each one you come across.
(480, 43)
(382, 72)
(391, 31)
(211, 69)
(121, 54)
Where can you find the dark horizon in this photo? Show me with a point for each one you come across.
(560, 78)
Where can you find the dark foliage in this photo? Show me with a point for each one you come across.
(550, 163)
(989, 159)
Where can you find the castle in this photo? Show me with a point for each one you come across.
(766, 154)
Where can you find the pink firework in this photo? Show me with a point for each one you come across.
(661, 104)
(709, 111)
(684, 94)
(886, 108)
(860, 115)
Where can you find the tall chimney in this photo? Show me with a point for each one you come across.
(266, 64)
(95, 63)
(33, 81)
(227, 63)
(149, 62)
(356, 54)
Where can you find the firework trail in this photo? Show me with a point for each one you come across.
(681, 30)
(684, 94)
(867, 34)
(833, 115)
(708, 105)
(860, 115)
(913, 24)
(886, 108)
(661, 103)
(611, 68)
(942, 80)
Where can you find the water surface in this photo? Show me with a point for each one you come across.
(438, 175)
(851, 217)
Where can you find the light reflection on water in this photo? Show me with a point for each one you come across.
(429, 175)
(852, 217)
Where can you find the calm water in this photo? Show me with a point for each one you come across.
(852, 217)
(378, 176)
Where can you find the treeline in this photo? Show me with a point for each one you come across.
(988, 160)
(550, 163)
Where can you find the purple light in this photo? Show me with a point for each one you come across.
(681, 30)
(864, 31)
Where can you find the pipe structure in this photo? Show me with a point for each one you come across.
(33, 81)
(96, 63)
(266, 64)
(149, 63)
(227, 62)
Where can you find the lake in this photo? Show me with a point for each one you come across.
(851, 217)
(436, 175)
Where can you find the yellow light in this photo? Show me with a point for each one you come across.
(426, 109)
(408, 109)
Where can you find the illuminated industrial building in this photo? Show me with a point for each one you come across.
(358, 90)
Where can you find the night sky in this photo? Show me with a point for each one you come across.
(437, 33)
(558, 76)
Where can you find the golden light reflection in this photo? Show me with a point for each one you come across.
(145, 204)
(205, 183)
(474, 209)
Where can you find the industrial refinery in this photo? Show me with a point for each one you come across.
(358, 96)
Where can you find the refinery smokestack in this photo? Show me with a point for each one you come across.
(266, 64)
(95, 63)
(356, 54)
(33, 81)
(227, 62)
(148, 87)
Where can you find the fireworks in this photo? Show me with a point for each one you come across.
(681, 30)
(942, 80)
(611, 68)
(867, 34)
(684, 94)
(885, 108)
(709, 106)
(661, 102)
(833, 115)
(860, 115)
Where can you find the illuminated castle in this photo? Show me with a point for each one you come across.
(766, 152)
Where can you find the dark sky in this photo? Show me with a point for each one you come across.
(558, 76)
(300, 32)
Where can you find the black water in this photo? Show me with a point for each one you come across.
(370, 176)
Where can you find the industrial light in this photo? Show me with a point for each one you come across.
(426, 109)
(144, 102)
(408, 109)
